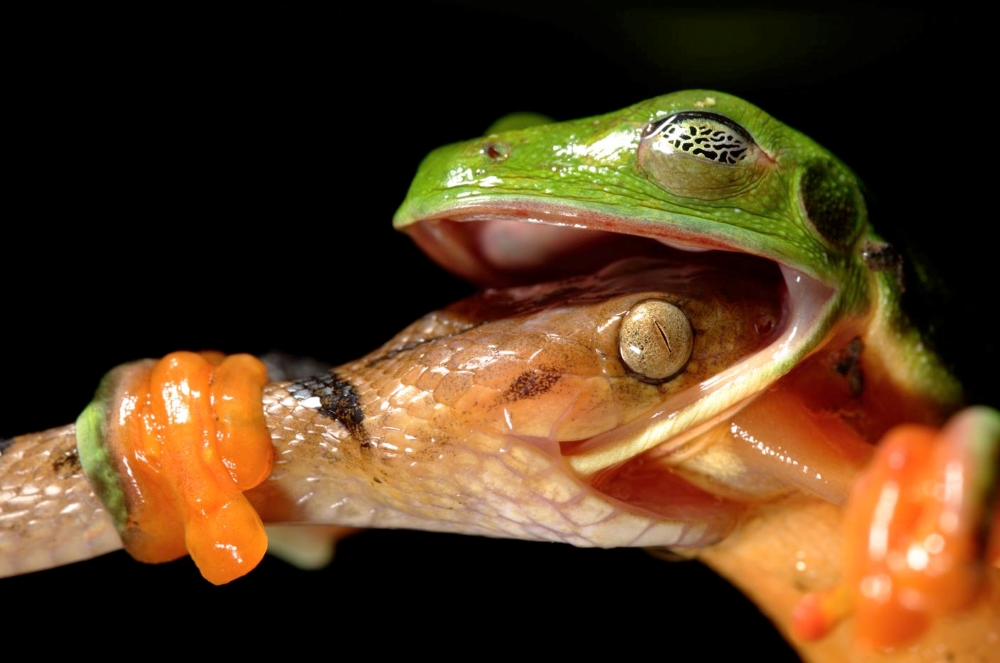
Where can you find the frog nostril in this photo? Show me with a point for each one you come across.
(655, 340)
(496, 151)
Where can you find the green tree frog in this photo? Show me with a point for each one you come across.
(696, 172)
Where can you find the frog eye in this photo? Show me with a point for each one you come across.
(699, 154)
(655, 340)
(832, 202)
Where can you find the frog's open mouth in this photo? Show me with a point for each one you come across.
(512, 247)
(503, 246)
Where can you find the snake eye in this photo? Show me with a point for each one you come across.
(655, 340)
(699, 154)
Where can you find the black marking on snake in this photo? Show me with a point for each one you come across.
(6, 444)
(530, 384)
(338, 400)
(67, 463)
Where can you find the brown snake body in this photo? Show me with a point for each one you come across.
(454, 425)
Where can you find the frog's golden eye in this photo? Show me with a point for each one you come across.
(832, 202)
(655, 340)
(699, 154)
(708, 136)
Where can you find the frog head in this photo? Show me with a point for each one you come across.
(677, 176)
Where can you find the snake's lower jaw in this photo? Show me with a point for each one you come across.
(522, 491)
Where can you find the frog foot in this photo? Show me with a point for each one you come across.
(171, 446)
(917, 543)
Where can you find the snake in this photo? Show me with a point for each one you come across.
(466, 421)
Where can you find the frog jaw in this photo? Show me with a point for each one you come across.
(543, 246)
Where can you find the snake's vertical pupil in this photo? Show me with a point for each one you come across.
(655, 340)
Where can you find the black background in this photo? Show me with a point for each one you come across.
(195, 177)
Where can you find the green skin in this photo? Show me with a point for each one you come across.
(787, 199)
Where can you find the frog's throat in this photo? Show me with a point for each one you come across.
(504, 246)
(692, 412)
(511, 246)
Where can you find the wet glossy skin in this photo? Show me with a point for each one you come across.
(880, 78)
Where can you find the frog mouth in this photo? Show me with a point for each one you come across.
(506, 246)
